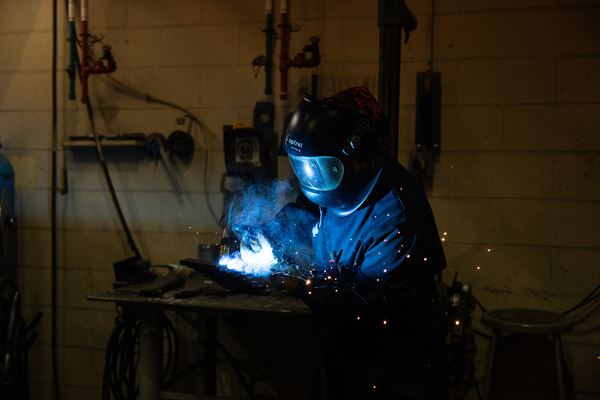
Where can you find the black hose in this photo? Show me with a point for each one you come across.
(121, 356)
(593, 295)
(120, 361)
(53, 227)
(478, 303)
(129, 91)
(100, 154)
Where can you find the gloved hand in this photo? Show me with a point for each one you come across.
(293, 284)
(324, 289)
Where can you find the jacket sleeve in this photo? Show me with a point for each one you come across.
(370, 289)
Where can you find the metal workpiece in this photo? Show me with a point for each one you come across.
(280, 302)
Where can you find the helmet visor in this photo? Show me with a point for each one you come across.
(318, 173)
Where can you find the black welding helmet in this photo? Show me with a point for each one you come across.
(335, 149)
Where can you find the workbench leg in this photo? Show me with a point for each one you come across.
(560, 378)
(210, 357)
(150, 354)
(487, 389)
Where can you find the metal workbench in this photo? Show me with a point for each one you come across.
(211, 307)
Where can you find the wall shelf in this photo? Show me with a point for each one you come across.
(74, 144)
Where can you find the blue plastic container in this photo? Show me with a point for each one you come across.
(8, 233)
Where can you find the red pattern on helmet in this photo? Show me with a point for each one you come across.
(358, 99)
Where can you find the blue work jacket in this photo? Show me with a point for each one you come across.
(390, 242)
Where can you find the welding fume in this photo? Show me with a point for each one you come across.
(356, 239)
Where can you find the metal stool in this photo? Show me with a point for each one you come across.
(526, 321)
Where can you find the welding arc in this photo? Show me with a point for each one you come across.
(132, 92)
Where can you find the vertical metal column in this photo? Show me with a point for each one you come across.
(393, 17)
(490, 365)
(210, 357)
(389, 81)
(150, 353)
(560, 377)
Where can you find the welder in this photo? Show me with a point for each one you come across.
(377, 252)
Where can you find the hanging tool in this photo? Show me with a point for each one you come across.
(266, 60)
(156, 147)
(72, 69)
(181, 144)
(427, 116)
(300, 60)
(105, 64)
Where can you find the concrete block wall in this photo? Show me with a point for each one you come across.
(516, 188)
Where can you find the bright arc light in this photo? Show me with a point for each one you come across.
(252, 263)
(261, 259)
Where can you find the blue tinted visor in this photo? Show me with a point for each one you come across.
(318, 173)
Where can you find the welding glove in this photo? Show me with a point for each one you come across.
(332, 290)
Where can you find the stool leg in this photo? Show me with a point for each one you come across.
(490, 366)
(559, 364)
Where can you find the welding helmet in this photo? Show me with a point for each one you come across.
(335, 149)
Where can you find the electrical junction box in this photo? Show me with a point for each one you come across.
(246, 153)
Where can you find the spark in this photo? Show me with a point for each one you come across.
(385, 270)
(478, 267)
(385, 322)
(408, 256)
(358, 318)
(489, 250)
(445, 233)
(457, 322)
(424, 258)
(308, 282)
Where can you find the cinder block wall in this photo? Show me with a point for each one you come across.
(516, 189)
